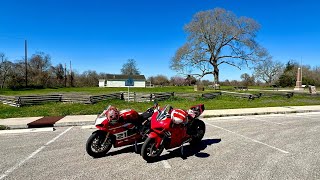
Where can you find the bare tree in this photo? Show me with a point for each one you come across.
(130, 68)
(217, 37)
(5, 70)
(177, 81)
(269, 71)
(39, 68)
(160, 80)
(247, 80)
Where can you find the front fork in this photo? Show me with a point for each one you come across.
(105, 140)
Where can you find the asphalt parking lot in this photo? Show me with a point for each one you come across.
(284, 146)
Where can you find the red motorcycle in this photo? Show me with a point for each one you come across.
(172, 128)
(118, 129)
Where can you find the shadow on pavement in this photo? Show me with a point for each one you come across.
(127, 149)
(189, 150)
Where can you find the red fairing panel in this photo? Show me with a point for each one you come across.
(156, 137)
(130, 115)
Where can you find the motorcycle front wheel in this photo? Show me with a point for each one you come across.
(97, 144)
(149, 151)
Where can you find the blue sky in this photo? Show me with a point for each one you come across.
(102, 34)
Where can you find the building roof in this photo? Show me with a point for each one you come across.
(114, 77)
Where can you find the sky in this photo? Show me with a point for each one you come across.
(102, 35)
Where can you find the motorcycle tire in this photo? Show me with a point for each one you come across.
(200, 129)
(94, 146)
(149, 152)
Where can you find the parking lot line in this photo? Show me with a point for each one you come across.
(283, 151)
(166, 164)
(18, 131)
(266, 121)
(9, 171)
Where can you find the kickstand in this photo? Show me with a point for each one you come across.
(135, 147)
(181, 149)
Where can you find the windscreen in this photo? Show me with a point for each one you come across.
(163, 113)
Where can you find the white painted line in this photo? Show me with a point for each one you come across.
(18, 131)
(54, 139)
(283, 151)
(166, 164)
(266, 121)
(307, 114)
(9, 171)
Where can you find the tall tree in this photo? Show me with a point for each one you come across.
(288, 77)
(130, 68)
(39, 68)
(217, 37)
(59, 73)
(269, 71)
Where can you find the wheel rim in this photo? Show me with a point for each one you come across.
(152, 151)
(200, 132)
(98, 145)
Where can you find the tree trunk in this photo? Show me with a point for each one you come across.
(216, 73)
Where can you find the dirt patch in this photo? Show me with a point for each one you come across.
(45, 122)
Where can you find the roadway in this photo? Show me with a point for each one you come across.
(281, 146)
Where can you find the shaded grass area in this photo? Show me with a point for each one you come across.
(221, 102)
(97, 90)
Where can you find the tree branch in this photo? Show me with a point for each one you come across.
(232, 64)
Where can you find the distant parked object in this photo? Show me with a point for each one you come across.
(118, 80)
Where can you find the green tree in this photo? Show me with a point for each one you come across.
(288, 77)
(217, 37)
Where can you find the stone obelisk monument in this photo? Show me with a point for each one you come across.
(298, 86)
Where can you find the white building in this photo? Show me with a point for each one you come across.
(118, 80)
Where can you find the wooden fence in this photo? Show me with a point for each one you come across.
(18, 101)
(146, 97)
(9, 100)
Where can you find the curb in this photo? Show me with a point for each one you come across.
(81, 123)
(66, 124)
(260, 113)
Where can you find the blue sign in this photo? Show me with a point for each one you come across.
(129, 82)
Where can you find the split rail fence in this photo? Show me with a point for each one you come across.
(19, 101)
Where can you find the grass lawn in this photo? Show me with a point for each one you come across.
(220, 102)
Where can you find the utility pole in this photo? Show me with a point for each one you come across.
(71, 77)
(26, 61)
(65, 75)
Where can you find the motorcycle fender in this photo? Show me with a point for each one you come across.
(101, 128)
(100, 131)
(157, 138)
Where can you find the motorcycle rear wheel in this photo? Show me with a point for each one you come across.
(97, 144)
(149, 152)
(200, 129)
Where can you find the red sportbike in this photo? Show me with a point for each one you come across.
(118, 129)
(172, 128)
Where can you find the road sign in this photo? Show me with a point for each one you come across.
(129, 82)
